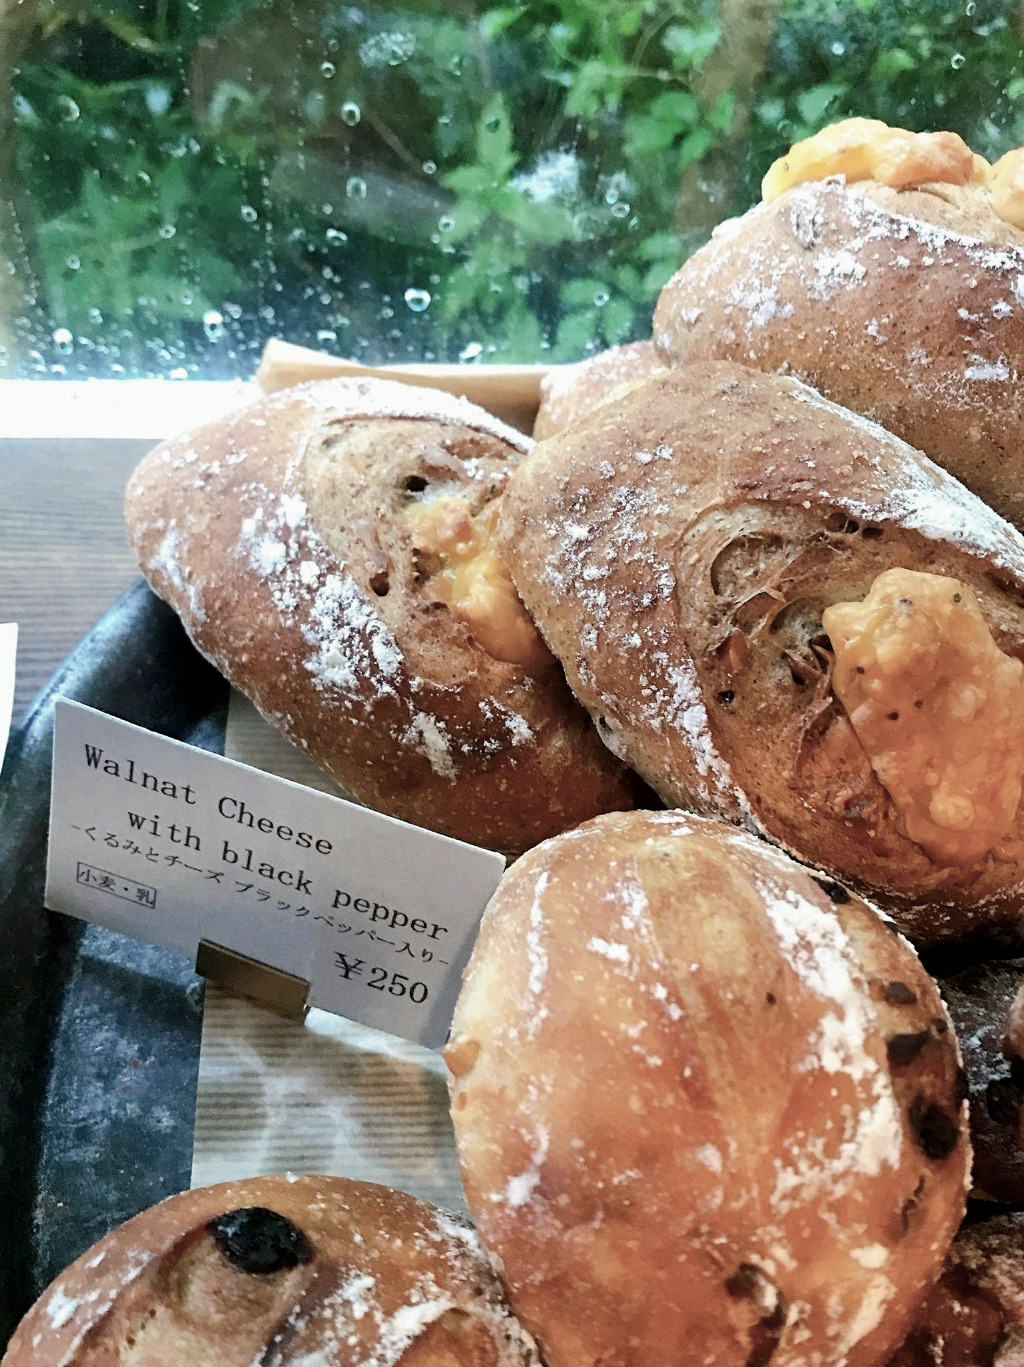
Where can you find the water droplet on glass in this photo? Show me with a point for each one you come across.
(63, 341)
(72, 263)
(327, 210)
(620, 210)
(600, 298)
(351, 113)
(249, 214)
(327, 70)
(145, 177)
(957, 60)
(95, 317)
(326, 335)
(446, 223)
(167, 230)
(838, 49)
(178, 373)
(213, 324)
(611, 196)
(470, 352)
(335, 235)
(418, 300)
(69, 110)
(970, 8)
(355, 187)
(429, 167)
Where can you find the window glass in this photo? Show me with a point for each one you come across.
(180, 179)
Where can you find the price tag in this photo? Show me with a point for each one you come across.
(174, 845)
(8, 657)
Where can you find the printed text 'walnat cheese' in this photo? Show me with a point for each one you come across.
(172, 845)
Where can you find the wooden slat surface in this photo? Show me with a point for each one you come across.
(63, 554)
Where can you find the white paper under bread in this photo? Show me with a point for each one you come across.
(328, 1096)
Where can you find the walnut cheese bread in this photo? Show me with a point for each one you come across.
(903, 301)
(679, 550)
(569, 392)
(279, 1271)
(708, 1106)
(329, 548)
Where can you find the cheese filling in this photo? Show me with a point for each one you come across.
(463, 570)
(1006, 184)
(938, 708)
(867, 149)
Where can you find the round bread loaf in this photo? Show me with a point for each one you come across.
(681, 550)
(569, 392)
(329, 548)
(281, 1271)
(974, 1315)
(906, 305)
(708, 1106)
(980, 999)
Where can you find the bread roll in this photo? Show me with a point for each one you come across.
(974, 1316)
(708, 1106)
(980, 999)
(906, 305)
(307, 1271)
(679, 549)
(569, 392)
(329, 548)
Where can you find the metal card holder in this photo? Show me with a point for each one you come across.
(280, 992)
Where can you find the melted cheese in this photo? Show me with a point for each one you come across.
(468, 576)
(867, 149)
(938, 708)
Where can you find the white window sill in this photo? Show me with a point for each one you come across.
(135, 410)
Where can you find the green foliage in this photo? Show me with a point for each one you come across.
(198, 174)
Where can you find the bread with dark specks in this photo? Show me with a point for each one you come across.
(906, 305)
(708, 1106)
(282, 1271)
(329, 548)
(681, 550)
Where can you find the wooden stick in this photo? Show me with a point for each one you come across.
(510, 392)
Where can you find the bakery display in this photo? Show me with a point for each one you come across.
(278, 1270)
(885, 270)
(330, 549)
(570, 392)
(682, 550)
(980, 1000)
(705, 1097)
(974, 1315)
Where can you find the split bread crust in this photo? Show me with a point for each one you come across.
(312, 544)
(906, 305)
(678, 549)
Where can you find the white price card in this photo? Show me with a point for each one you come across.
(8, 656)
(172, 844)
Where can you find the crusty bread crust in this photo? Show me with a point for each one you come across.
(569, 392)
(277, 536)
(689, 1083)
(369, 1275)
(904, 305)
(678, 548)
(974, 1315)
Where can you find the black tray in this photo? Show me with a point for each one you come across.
(99, 1034)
